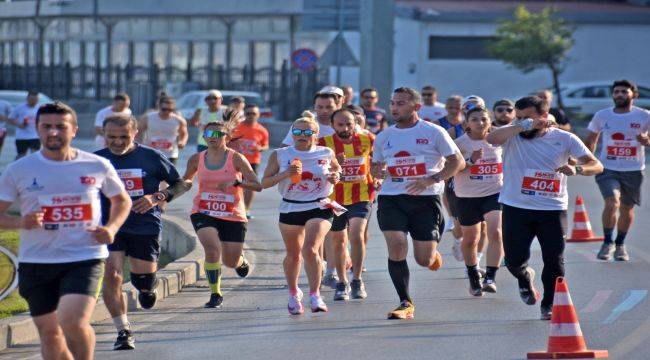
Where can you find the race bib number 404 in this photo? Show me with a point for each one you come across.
(66, 211)
(216, 204)
(541, 183)
(406, 168)
(354, 169)
(132, 179)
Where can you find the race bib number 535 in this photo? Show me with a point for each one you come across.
(541, 183)
(66, 211)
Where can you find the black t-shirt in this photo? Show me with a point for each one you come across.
(560, 116)
(142, 170)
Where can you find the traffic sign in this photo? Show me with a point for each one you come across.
(304, 59)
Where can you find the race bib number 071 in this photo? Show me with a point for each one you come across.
(541, 183)
(66, 211)
(407, 167)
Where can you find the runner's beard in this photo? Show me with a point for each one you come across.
(53, 144)
(344, 135)
(530, 134)
(622, 103)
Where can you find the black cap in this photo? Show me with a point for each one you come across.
(355, 109)
(506, 102)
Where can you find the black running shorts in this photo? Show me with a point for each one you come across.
(143, 247)
(229, 231)
(472, 210)
(418, 215)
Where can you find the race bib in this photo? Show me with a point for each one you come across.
(247, 146)
(354, 169)
(622, 150)
(66, 211)
(328, 203)
(485, 171)
(406, 168)
(216, 204)
(541, 183)
(132, 179)
(161, 144)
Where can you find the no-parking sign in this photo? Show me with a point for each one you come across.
(304, 59)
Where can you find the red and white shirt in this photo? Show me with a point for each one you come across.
(313, 183)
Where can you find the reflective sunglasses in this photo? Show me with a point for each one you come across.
(306, 132)
(213, 133)
(469, 106)
(504, 109)
(166, 109)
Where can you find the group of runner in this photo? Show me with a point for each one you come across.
(504, 181)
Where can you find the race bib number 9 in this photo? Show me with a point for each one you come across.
(485, 171)
(66, 211)
(132, 179)
(541, 183)
(354, 169)
(216, 205)
(407, 167)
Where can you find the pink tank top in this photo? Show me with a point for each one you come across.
(227, 205)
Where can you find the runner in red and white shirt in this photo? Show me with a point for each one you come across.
(534, 194)
(414, 157)
(164, 130)
(625, 135)
(62, 241)
(477, 190)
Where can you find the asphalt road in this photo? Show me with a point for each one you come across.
(611, 300)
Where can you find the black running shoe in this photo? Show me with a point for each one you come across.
(243, 269)
(529, 295)
(475, 287)
(124, 341)
(147, 299)
(215, 301)
(546, 312)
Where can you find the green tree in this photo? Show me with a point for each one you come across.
(533, 41)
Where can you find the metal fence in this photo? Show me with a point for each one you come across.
(287, 91)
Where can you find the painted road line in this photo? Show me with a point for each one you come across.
(597, 301)
(633, 299)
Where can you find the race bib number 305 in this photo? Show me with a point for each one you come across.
(485, 171)
(66, 211)
(216, 205)
(541, 183)
(406, 168)
(132, 179)
(354, 169)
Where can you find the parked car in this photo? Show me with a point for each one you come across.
(589, 97)
(190, 101)
(17, 97)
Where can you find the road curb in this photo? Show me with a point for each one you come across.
(186, 270)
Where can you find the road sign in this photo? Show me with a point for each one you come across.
(338, 53)
(325, 15)
(304, 59)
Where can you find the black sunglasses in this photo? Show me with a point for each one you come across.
(504, 109)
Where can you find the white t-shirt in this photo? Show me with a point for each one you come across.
(411, 154)
(620, 150)
(26, 115)
(323, 130)
(433, 112)
(485, 177)
(68, 193)
(313, 185)
(162, 135)
(102, 114)
(529, 177)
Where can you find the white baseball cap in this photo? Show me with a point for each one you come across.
(215, 93)
(331, 89)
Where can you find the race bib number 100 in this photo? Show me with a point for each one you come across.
(406, 168)
(132, 179)
(216, 204)
(541, 183)
(66, 211)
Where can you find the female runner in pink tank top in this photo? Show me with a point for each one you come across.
(218, 212)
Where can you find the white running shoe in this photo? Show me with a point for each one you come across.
(456, 250)
(317, 304)
(295, 304)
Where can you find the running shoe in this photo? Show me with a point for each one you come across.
(244, 269)
(546, 312)
(449, 224)
(358, 289)
(489, 285)
(215, 301)
(342, 292)
(475, 288)
(605, 252)
(249, 216)
(456, 250)
(330, 280)
(147, 299)
(437, 263)
(405, 310)
(620, 254)
(124, 341)
(317, 304)
(528, 293)
(295, 304)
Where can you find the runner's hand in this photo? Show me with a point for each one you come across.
(293, 170)
(181, 145)
(103, 235)
(32, 221)
(418, 186)
(567, 170)
(378, 171)
(333, 177)
(643, 139)
(477, 154)
(144, 204)
(340, 158)
(541, 124)
(572, 161)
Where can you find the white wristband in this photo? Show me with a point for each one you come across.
(526, 124)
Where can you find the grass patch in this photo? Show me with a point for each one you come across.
(12, 304)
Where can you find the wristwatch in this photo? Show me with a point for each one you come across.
(469, 161)
(236, 183)
(578, 169)
(159, 196)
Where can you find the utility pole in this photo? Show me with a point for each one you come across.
(338, 43)
(377, 44)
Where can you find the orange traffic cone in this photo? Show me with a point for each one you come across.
(581, 226)
(565, 340)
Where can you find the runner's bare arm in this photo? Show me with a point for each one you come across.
(643, 139)
(194, 120)
(142, 128)
(272, 176)
(249, 178)
(182, 133)
(591, 140)
(120, 208)
(589, 165)
(30, 221)
(500, 135)
(335, 170)
(453, 164)
(192, 167)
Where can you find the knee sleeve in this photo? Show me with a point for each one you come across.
(147, 282)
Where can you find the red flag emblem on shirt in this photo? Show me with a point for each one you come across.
(87, 180)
